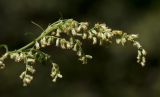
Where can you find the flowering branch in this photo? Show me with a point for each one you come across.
(67, 34)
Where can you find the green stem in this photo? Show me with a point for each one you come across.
(5, 46)
(47, 31)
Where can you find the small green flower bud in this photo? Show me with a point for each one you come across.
(30, 68)
(84, 36)
(22, 75)
(57, 41)
(75, 47)
(137, 44)
(68, 45)
(144, 52)
(73, 31)
(88, 56)
(31, 60)
(118, 41)
(94, 31)
(94, 40)
(2, 65)
(37, 45)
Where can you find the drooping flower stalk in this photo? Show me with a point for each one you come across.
(74, 33)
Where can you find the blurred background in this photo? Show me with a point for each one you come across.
(113, 72)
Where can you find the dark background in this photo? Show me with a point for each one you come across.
(113, 72)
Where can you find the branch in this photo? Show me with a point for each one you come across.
(75, 32)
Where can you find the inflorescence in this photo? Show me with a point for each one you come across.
(74, 33)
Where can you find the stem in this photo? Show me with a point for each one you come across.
(31, 43)
(47, 31)
(5, 46)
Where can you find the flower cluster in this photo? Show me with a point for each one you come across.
(2, 65)
(67, 34)
(29, 60)
(55, 73)
(141, 52)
